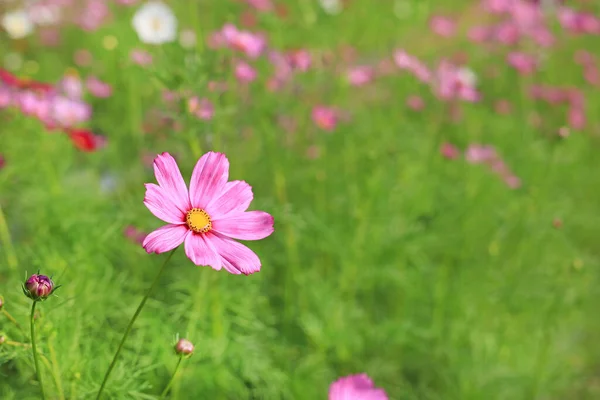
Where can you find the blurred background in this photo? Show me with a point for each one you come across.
(431, 167)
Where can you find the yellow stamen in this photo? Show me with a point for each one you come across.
(156, 24)
(198, 220)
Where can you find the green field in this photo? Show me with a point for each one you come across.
(429, 274)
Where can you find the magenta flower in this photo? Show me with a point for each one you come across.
(442, 26)
(97, 88)
(244, 72)
(360, 75)
(355, 387)
(325, 117)
(207, 217)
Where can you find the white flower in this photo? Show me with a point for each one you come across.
(155, 23)
(17, 24)
(331, 6)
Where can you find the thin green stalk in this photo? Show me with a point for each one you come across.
(11, 257)
(164, 393)
(131, 322)
(34, 348)
(13, 320)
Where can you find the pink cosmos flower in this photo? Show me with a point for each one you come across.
(360, 75)
(325, 117)
(244, 72)
(206, 218)
(98, 88)
(140, 57)
(201, 108)
(525, 64)
(442, 26)
(449, 151)
(355, 387)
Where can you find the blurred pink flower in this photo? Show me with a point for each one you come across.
(72, 86)
(512, 181)
(477, 154)
(591, 74)
(261, 5)
(325, 117)
(94, 14)
(134, 234)
(543, 37)
(50, 36)
(526, 15)
(249, 43)
(502, 107)
(415, 103)
(6, 97)
(299, 60)
(455, 83)
(577, 118)
(524, 63)
(98, 88)
(449, 151)
(208, 217)
(412, 64)
(507, 33)
(244, 72)
(360, 75)
(355, 387)
(442, 26)
(67, 112)
(479, 34)
(83, 58)
(201, 108)
(140, 57)
(2, 161)
(583, 57)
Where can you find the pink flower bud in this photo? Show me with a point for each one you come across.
(38, 287)
(184, 347)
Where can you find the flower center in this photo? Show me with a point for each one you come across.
(198, 220)
(156, 24)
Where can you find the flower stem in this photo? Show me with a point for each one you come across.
(34, 348)
(13, 320)
(131, 322)
(164, 393)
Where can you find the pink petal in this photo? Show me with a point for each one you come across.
(162, 205)
(235, 197)
(208, 179)
(250, 225)
(201, 252)
(169, 178)
(236, 257)
(165, 238)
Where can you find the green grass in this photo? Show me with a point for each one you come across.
(428, 274)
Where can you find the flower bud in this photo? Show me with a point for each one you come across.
(1, 302)
(2, 339)
(184, 347)
(38, 287)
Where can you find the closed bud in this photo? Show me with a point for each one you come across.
(1, 302)
(184, 347)
(2, 339)
(38, 287)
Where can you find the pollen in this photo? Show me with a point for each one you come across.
(198, 220)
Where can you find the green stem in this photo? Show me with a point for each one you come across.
(34, 348)
(131, 322)
(11, 258)
(13, 320)
(164, 393)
